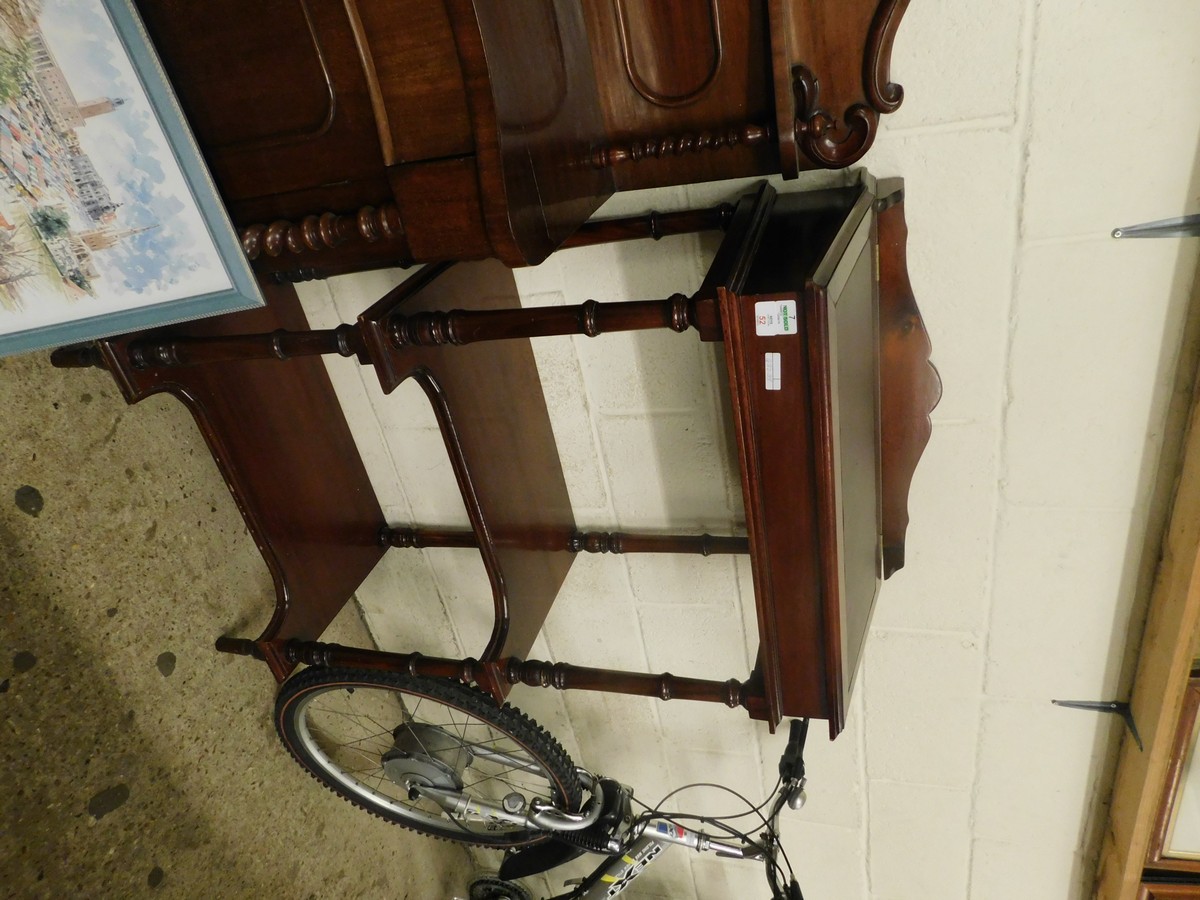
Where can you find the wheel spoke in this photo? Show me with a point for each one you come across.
(355, 717)
(454, 736)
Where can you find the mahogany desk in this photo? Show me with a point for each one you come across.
(830, 388)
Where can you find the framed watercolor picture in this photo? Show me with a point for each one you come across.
(109, 221)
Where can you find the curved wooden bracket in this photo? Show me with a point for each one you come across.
(884, 96)
(910, 386)
(837, 131)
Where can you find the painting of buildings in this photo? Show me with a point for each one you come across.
(95, 215)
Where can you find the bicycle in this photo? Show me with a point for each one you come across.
(440, 757)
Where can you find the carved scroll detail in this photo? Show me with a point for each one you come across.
(636, 150)
(826, 141)
(324, 232)
(884, 96)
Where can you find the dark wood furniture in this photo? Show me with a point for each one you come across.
(370, 133)
(810, 296)
(283, 446)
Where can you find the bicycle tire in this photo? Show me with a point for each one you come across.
(467, 722)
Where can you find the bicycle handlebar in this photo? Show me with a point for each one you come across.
(791, 764)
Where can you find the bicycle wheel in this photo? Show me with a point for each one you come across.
(370, 736)
(488, 888)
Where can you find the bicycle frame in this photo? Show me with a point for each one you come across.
(619, 871)
(633, 845)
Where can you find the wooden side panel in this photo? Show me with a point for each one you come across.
(535, 117)
(771, 426)
(230, 37)
(440, 208)
(278, 434)
(420, 82)
(274, 90)
(669, 69)
(910, 386)
(672, 51)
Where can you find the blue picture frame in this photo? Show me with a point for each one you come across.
(109, 230)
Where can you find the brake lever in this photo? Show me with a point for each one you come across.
(797, 796)
(791, 764)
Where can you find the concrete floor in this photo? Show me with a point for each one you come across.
(135, 760)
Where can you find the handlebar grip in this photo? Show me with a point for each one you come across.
(791, 764)
(799, 733)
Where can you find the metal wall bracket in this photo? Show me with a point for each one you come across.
(1182, 226)
(1106, 706)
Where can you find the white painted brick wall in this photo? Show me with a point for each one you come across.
(1029, 130)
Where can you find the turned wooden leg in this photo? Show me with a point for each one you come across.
(591, 318)
(623, 542)
(578, 542)
(561, 676)
(654, 225)
(425, 538)
(187, 351)
(79, 356)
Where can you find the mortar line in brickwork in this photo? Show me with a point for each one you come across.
(592, 411)
(646, 412)
(864, 828)
(932, 632)
(1059, 240)
(944, 788)
(1071, 507)
(1023, 131)
(999, 122)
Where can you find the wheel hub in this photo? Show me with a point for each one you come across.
(426, 755)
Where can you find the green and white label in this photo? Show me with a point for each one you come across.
(775, 317)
